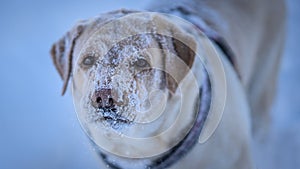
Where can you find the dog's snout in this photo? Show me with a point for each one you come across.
(103, 99)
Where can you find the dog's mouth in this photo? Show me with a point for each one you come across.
(112, 117)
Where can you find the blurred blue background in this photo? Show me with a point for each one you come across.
(38, 127)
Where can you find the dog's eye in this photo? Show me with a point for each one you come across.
(141, 63)
(88, 61)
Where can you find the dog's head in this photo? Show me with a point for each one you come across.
(118, 65)
(126, 67)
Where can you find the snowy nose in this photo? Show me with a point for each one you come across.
(102, 99)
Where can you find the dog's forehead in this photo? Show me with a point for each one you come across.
(104, 33)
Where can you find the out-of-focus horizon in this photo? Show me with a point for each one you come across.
(39, 128)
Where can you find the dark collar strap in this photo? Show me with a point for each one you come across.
(191, 139)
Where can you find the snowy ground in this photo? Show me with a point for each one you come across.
(39, 128)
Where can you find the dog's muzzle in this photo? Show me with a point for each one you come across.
(105, 106)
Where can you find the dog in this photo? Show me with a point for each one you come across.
(153, 91)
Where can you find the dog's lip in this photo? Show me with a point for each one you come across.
(114, 116)
(117, 119)
(111, 117)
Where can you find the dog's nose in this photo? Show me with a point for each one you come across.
(102, 99)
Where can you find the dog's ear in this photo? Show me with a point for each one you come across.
(184, 47)
(62, 53)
